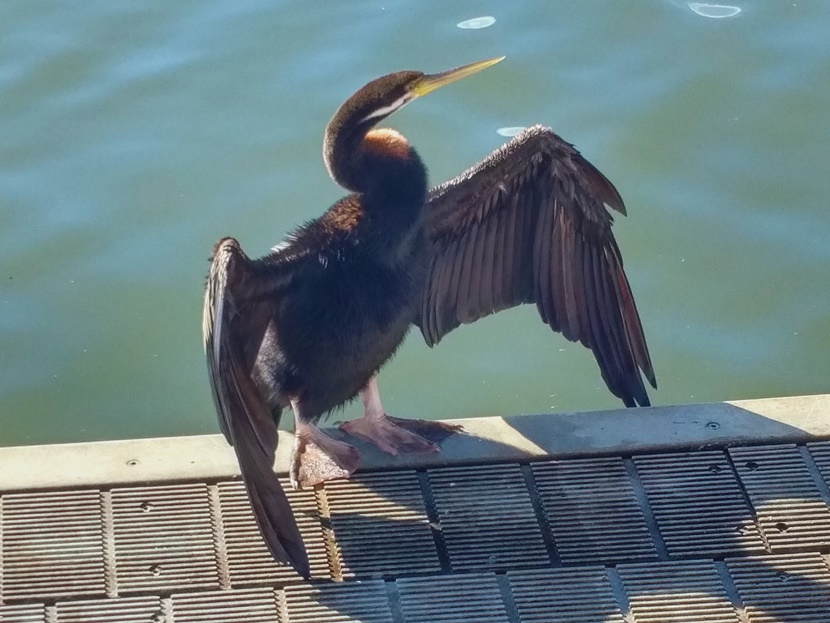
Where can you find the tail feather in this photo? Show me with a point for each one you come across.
(270, 504)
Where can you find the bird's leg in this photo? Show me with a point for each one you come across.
(395, 435)
(318, 457)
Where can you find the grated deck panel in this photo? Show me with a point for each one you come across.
(564, 596)
(792, 587)
(790, 509)
(487, 517)
(380, 525)
(592, 511)
(677, 592)
(698, 504)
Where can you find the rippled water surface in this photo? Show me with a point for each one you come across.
(135, 134)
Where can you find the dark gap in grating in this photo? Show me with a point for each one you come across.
(434, 521)
(748, 501)
(815, 473)
(507, 597)
(731, 590)
(618, 589)
(393, 596)
(539, 511)
(645, 507)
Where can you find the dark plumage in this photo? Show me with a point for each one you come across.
(310, 324)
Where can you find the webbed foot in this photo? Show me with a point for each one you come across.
(318, 457)
(395, 435)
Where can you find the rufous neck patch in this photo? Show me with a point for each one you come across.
(386, 142)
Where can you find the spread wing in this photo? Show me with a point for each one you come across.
(529, 224)
(238, 307)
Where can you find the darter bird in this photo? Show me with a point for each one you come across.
(310, 324)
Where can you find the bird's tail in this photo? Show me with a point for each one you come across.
(270, 505)
(232, 318)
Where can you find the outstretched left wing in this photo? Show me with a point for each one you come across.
(239, 300)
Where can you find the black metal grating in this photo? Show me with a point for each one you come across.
(487, 518)
(698, 504)
(85, 556)
(52, 545)
(163, 538)
(254, 605)
(358, 602)
(592, 511)
(248, 559)
(381, 526)
(452, 599)
(676, 592)
(24, 613)
(121, 610)
(784, 588)
(790, 509)
(820, 451)
(564, 596)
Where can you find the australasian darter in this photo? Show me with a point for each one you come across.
(310, 324)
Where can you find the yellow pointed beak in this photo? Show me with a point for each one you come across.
(427, 84)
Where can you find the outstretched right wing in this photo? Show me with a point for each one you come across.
(238, 307)
(530, 224)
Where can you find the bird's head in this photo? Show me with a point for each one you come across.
(380, 98)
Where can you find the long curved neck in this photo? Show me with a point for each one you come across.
(343, 153)
(391, 183)
(366, 160)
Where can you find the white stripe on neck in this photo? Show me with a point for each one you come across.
(388, 110)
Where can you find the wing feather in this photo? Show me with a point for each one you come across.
(507, 220)
(235, 317)
(449, 297)
(466, 251)
(488, 267)
(559, 269)
(518, 249)
(544, 275)
(531, 223)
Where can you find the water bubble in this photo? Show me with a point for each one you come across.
(714, 11)
(510, 130)
(709, 9)
(485, 21)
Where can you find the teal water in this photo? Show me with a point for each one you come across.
(135, 134)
